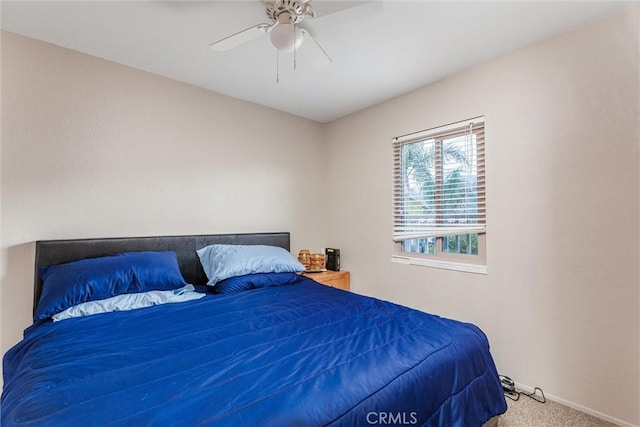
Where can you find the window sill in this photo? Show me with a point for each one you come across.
(445, 265)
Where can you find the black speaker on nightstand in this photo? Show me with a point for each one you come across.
(332, 259)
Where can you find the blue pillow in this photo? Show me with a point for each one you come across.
(66, 285)
(253, 281)
(223, 261)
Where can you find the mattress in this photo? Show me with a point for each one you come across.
(300, 354)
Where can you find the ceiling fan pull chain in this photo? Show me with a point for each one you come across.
(277, 66)
(293, 28)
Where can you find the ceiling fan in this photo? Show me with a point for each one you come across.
(284, 30)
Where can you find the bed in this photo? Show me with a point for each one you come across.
(291, 354)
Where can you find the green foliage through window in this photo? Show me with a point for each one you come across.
(439, 189)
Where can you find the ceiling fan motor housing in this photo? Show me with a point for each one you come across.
(295, 9)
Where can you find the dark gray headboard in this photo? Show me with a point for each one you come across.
(50, 252)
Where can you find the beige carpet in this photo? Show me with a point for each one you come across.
(529, 413)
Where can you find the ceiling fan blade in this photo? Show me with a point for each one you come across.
(313, 52)
(327, 7)
(243, 36)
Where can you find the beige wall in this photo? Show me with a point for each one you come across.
(561, 301)
(91, 148)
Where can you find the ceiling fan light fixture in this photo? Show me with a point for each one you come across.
(286, 37)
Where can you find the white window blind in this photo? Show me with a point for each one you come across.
(439, 182)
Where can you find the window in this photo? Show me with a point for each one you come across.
(439, 194)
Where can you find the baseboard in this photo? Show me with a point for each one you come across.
(581, 408)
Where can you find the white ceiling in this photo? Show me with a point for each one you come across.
(380, 49)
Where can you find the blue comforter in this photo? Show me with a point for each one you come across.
(301, 354)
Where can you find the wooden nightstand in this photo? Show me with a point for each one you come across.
(335, 279)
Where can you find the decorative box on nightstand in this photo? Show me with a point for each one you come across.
(335, 279)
